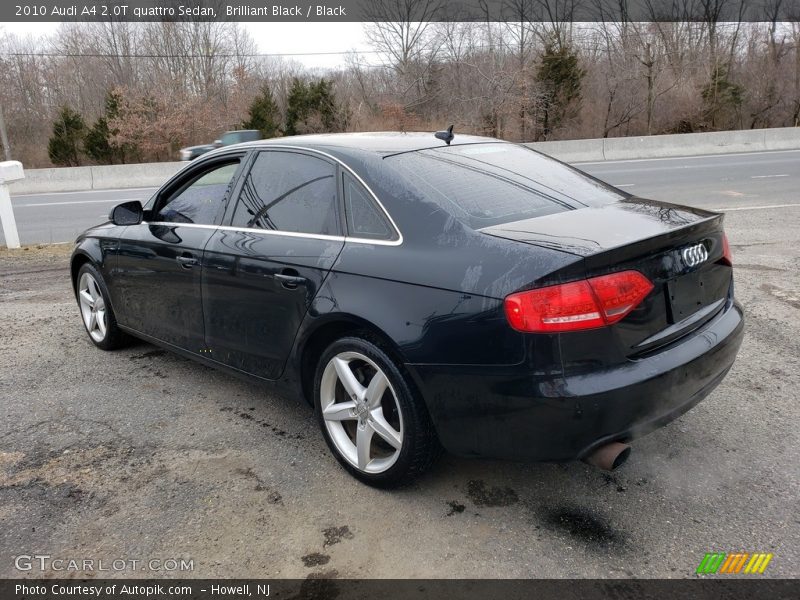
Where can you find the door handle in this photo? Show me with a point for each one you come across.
(290, 279)
(187, 261)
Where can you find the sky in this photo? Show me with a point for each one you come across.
(275, 38)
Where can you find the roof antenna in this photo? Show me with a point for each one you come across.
(447, 135)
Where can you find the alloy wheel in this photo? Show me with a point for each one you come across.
(361, 412)
(93, 307)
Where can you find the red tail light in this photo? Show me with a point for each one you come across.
(727, 257)
(584, 304)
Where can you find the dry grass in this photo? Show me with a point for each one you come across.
(58, 249)
(25, 257)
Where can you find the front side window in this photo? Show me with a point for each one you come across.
(287, 191)
(200, 200)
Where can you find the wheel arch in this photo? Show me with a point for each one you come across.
(87, 250)
(79, 258)
(326, 330)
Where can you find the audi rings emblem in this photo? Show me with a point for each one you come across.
(694, 255)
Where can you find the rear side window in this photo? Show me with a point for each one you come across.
(364, 218)
(491, 184)
(287, 191)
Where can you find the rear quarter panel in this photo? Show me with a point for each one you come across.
(427, 325)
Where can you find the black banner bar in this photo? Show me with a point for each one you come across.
(401, 10)
(732, 588)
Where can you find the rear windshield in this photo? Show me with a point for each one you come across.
(491, 184)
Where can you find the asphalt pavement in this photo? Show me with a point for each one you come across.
(59, 217)
(724, 182)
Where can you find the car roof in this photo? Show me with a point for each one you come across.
(383, 142)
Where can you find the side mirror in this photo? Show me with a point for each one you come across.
(128, 213)
(217, 144)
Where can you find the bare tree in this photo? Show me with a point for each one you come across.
(519, 31)
(795, 101)
(184, 82)
(399, 30)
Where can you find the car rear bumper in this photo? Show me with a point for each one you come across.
(504, 412)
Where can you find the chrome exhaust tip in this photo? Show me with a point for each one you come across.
(609, 457)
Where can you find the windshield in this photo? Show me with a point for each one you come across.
(495, 183)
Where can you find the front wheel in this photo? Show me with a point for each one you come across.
(373, 422)
(96, 312)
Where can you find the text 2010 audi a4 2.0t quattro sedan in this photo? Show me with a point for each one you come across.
(475, 296)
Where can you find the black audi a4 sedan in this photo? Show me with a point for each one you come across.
(475, 296)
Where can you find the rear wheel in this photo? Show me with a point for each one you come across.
(96, 312)
(373, 422)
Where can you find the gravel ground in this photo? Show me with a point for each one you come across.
(140, 454)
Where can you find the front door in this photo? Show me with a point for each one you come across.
(160, 260)
(261, 273)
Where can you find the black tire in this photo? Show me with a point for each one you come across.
(114, 337)
(420, 446)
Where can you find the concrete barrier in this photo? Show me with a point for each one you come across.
(42, 181)
(785, 138)
(110, 177)
(572, 150)
(102, 177)
(664, 146)
(77, 179)
(689, 144)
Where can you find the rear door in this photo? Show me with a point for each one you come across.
(262, 270)
(160, 260)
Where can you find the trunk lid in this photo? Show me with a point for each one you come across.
(679, 249)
